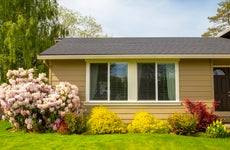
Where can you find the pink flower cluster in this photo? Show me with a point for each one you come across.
(30, 102)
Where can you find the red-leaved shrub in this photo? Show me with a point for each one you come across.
(201, 111)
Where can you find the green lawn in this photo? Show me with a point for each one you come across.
(19, 140)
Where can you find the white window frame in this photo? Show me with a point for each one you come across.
(156, 82)
(132, 84)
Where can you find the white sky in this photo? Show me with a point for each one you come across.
(148, 18)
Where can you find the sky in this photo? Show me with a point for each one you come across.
(148, 18)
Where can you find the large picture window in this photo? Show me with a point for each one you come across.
(134, 81)
(108, 85)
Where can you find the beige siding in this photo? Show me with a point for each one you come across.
(195, 83)
(127, 112)
(73, 71)
(196, 80)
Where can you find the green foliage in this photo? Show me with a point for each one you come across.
(27, 28)
(103, 121)
(78, 25)
(221, 20)
(217, 130)
(146, 123)
(75, 123)
(182, 124)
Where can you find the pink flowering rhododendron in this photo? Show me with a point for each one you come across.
(30, 102)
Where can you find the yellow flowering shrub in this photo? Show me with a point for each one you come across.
(103, 121)
(217, 130)
(143, 122)
(182, 124)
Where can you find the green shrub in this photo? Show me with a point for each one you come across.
(75, 123)
(217, 130)
(146, 123)
(182, 124)
(103, 121)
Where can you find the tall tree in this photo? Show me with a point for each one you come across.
(27, 27)
(77, 25)
(221, 20)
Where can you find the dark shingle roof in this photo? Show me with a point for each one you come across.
(135, 46)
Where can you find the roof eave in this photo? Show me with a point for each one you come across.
(147, 56)
(221, 34)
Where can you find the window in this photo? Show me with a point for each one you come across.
(166, 82)
(146, 81)
(98, 82)
(161, 88)
(118, 81)
(218, 72)
(108, 85)
(132, 81)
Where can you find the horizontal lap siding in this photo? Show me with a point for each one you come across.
(73, 71)
(126, 113)
(196, 80)
(195, 83)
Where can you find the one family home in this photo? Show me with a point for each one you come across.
(128, 75)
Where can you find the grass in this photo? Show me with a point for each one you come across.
(20, 140)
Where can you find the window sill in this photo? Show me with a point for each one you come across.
(136, 103)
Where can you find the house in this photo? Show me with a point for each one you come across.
(225, 34)
(128, 75)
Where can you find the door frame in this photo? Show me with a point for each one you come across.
(219, 66)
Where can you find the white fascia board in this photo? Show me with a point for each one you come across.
(223, 32)
(176, 56)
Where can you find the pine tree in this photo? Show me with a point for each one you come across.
(221, 20)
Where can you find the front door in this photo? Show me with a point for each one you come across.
(221, 88)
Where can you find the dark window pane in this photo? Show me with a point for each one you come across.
(166, 82)
(146, 81)
(218, 72)
(118, 81)
(98, 81)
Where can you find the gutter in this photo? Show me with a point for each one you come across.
(158, 56)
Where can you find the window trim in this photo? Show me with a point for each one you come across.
(132, 92)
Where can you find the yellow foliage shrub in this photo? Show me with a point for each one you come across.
(182, 124)
(143, 122)
(103, 121)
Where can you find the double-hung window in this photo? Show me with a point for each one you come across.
(140, 81)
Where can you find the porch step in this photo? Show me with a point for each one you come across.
(228, 126)
(225, 119)
(224, 115)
